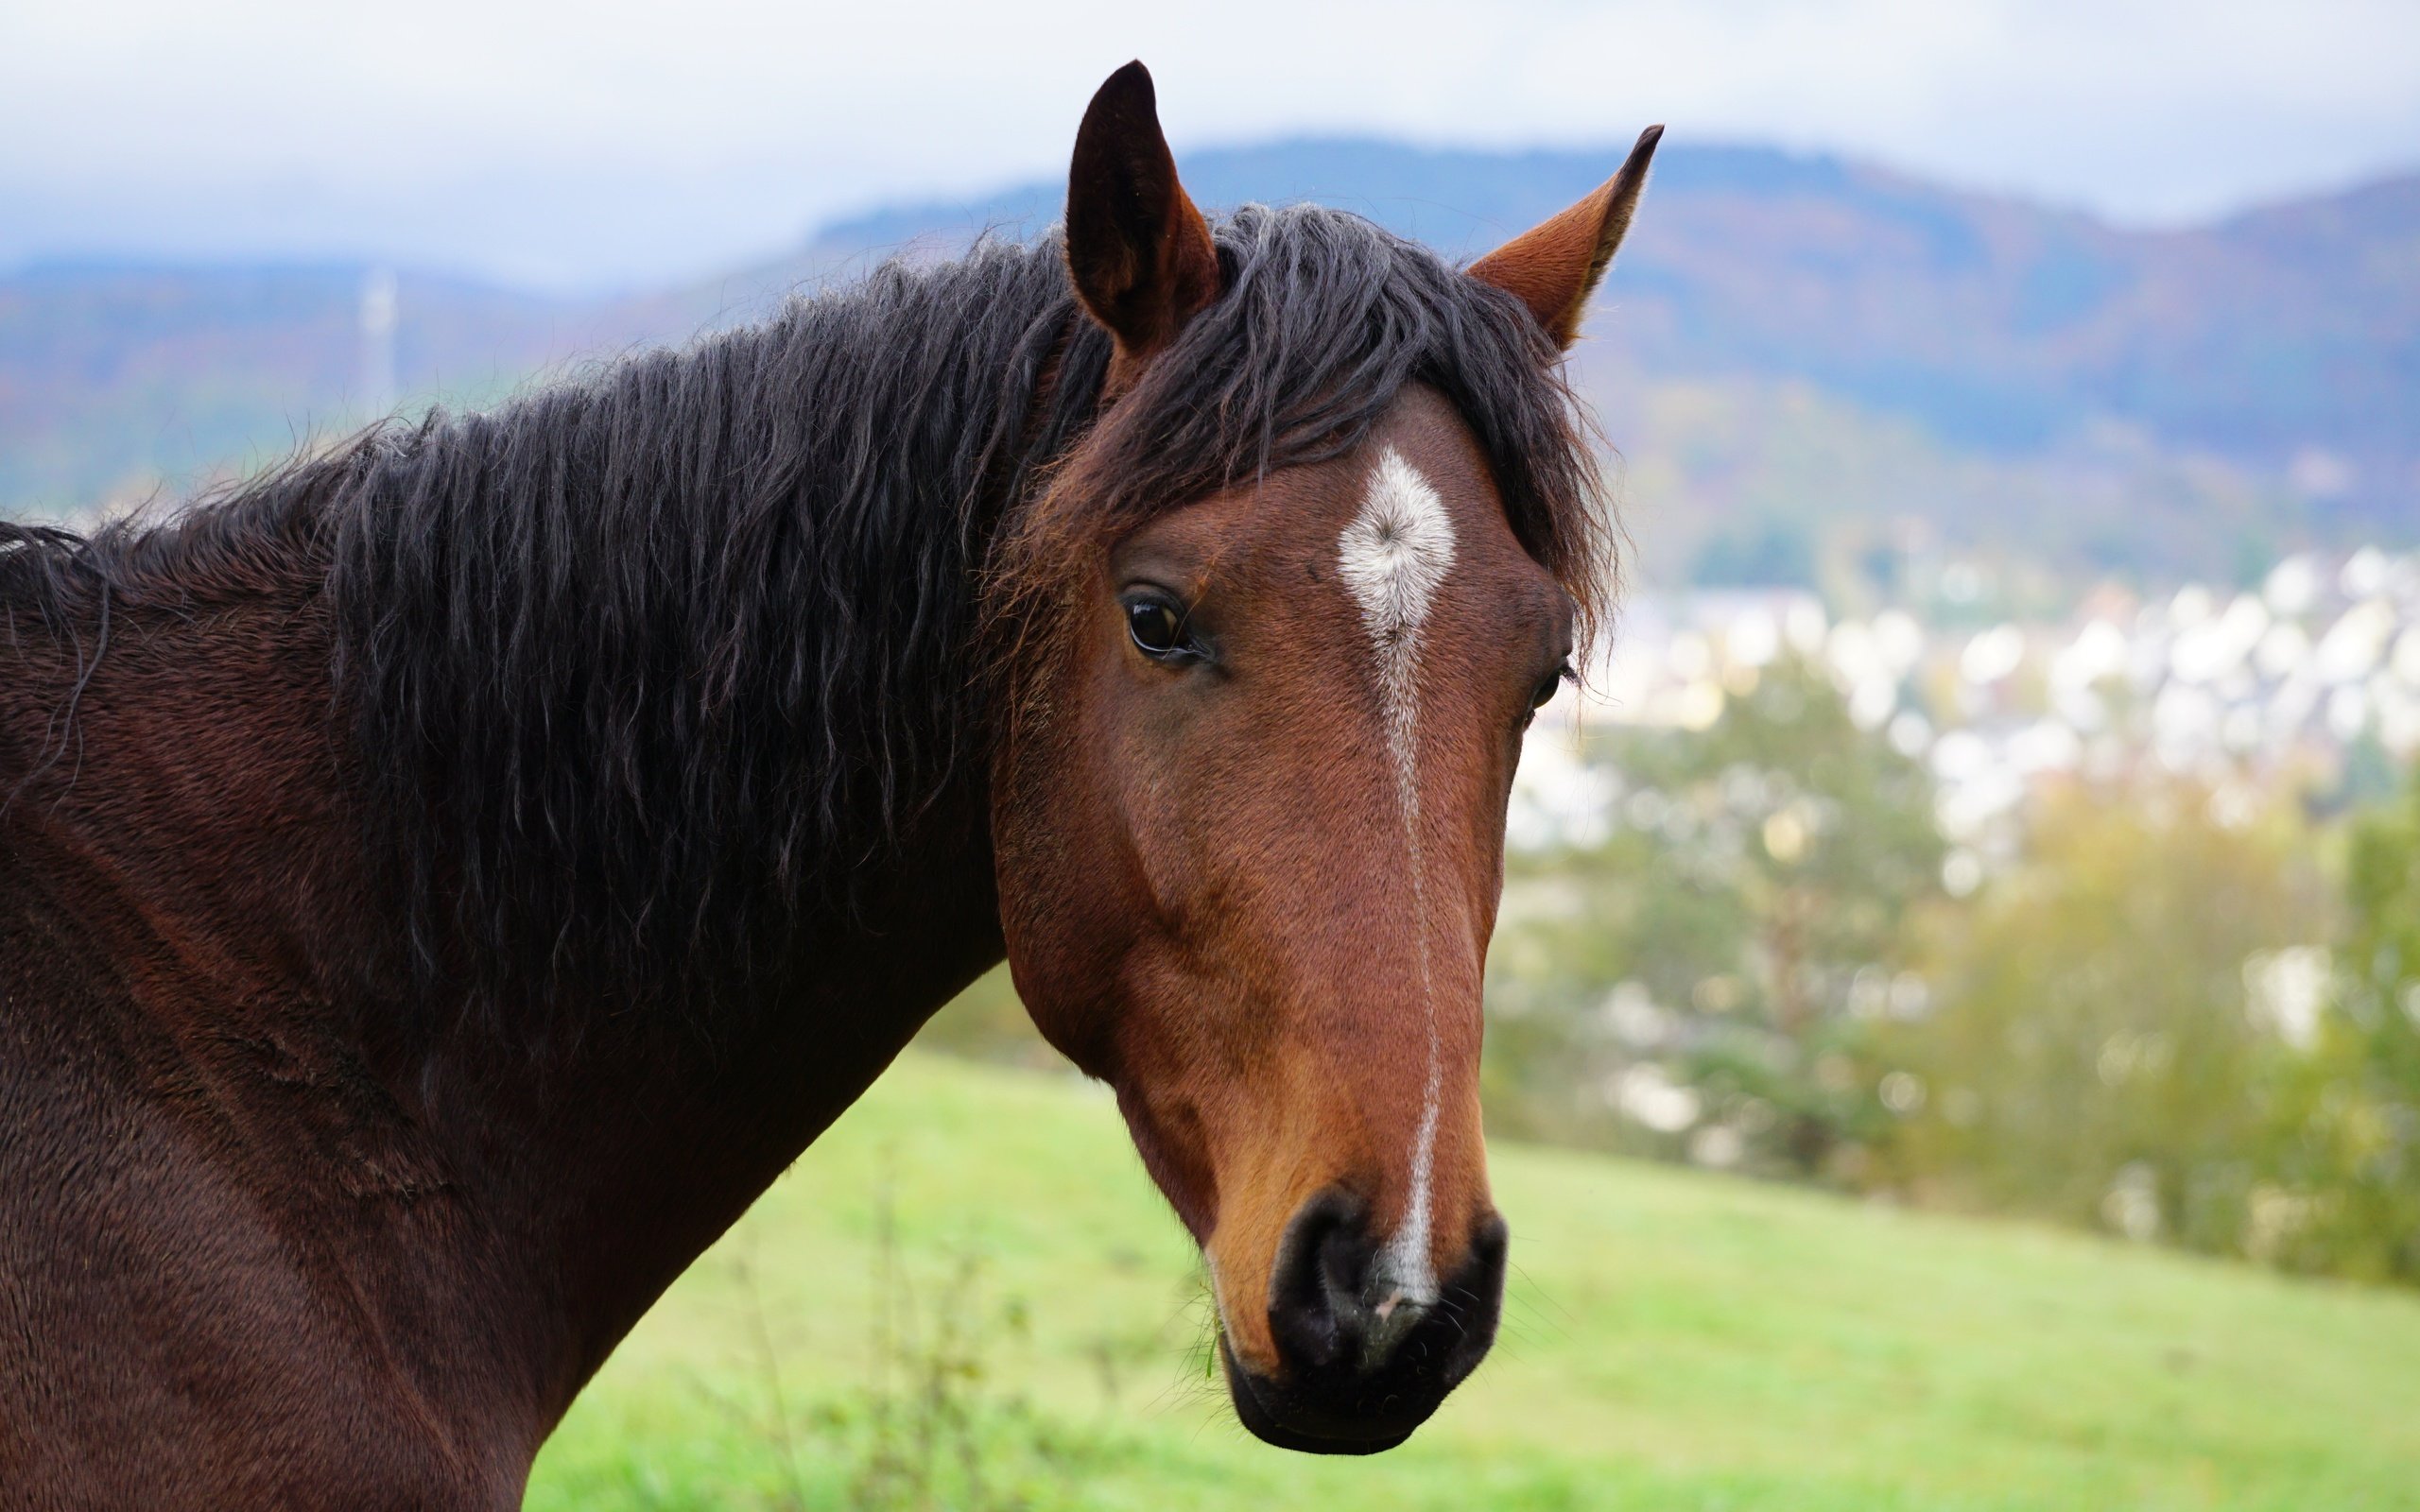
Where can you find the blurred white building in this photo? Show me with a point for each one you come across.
(2241, 689)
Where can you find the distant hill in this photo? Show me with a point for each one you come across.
(1994, 322)
(116, 379)
(2254, 381)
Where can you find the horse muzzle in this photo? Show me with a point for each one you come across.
(1365, 1355)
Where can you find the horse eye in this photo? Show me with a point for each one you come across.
(1544, 692)
(1157, 627)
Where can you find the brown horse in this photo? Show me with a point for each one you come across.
(444, 881)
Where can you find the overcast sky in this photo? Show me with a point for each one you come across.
(605, 142)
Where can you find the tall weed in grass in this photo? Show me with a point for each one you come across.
(932, 1427)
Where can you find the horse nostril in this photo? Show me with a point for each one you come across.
(1314, 1292)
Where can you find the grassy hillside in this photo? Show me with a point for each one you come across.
(1672, 1341)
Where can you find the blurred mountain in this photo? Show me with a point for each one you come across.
(1994, 322)
(117, 379)
(1791, 345)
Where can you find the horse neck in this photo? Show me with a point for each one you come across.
(601, 1145)
(613, 1160)
(189, 888)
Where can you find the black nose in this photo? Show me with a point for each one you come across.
(1368, 1343)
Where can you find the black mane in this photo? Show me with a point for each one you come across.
(643, 665)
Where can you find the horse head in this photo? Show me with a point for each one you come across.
(1248, 811)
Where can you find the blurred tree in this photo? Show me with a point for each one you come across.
(1709, 977)
(2117, 1018)
(2345, 1197)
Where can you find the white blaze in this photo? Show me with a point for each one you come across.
(1393, 558)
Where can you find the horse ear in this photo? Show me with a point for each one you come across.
(1139, 253)
(1553, 266)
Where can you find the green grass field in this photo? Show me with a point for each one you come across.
(1671, 1341)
